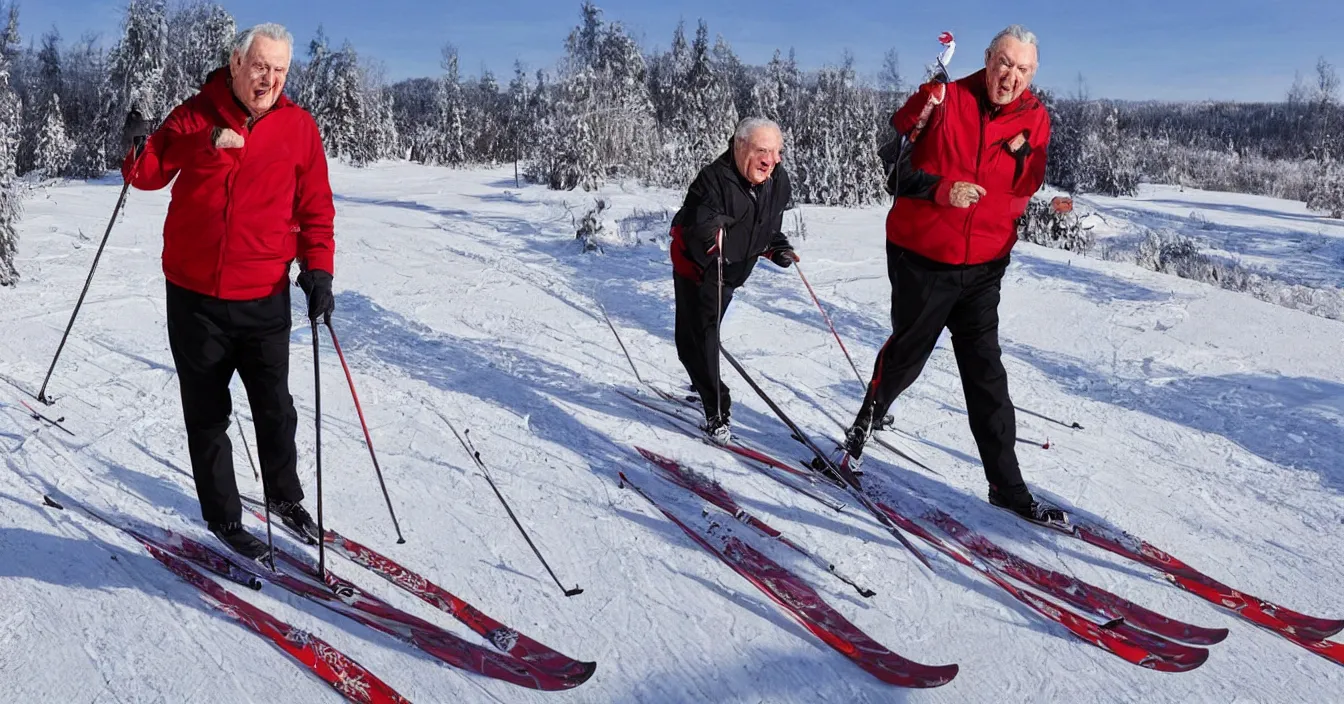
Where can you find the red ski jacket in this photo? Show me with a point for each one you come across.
(966, 139)
(239, 217)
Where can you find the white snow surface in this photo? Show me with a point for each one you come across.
(1212, 429)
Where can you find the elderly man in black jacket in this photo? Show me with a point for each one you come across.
(732, 215)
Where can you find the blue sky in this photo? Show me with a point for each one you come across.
(1130, 49)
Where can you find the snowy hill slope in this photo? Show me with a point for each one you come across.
(1213, 429)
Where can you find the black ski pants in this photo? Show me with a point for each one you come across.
(211, 339)
(697, 335)
(927, 296)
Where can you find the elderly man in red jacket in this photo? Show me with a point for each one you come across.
(251, 196)
(979, 159)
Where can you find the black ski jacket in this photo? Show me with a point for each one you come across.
(752, 218)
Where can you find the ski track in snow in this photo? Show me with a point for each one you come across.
(1212, 430)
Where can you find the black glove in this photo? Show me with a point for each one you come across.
(316, 284)
(783, 256)
(135, 131)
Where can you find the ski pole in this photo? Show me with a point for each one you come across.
(718, 331)
(367, 439)
(829, 324)
(246, 447)
(138, 151)
(850, 482)
(317, 404)
(476, 457)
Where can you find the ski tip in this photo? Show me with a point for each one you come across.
(52, 502)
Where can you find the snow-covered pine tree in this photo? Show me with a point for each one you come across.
(200, 37)
(91, 103)
(740, 81)
(487, 121)
(10, 188)
(386, 140)
(776, 96)
(310, 84)
(1087, 153)
(346, 116)
(44, 78)
(519, 127)
(139, 62)
(379, 137)
(711, 114)
(452, 109)
(53, 147)
(623, 117)
(600, 121)
(1110, 160)
(836, 145)
(1327, 188)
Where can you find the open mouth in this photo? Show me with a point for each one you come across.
(260, 92)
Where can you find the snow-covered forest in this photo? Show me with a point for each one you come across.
(613, 109)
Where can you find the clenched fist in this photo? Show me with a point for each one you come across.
(226, 138)
(965, 194)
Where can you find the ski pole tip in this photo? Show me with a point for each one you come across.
(51, 502)
(401, 541)
(573, 592)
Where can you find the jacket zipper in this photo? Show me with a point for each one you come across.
(979, 154)
(248, 129)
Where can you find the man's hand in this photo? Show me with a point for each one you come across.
(784, 257)
(225, 138)
(316, 284)
(135, 131)
(965, 194)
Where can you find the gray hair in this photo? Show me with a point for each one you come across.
(243, 42)
(749, 125)
(1018, 32)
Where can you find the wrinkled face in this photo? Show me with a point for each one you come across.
(1009, 67)
(259, 75)
(757, 156)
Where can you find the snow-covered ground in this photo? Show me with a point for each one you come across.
(1213, 429)
(1278, 237)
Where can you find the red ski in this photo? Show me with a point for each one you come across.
(1069, 589)
(1307, 631)
(806, 606)
(712, 492)
(344, 675)
(174, 551)
(1122, 640)
(347, 599)
(539, 657)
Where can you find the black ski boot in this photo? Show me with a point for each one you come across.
(719, 429)
(296, 518)
(239, 540)
(857, 436)
(1026, 506)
